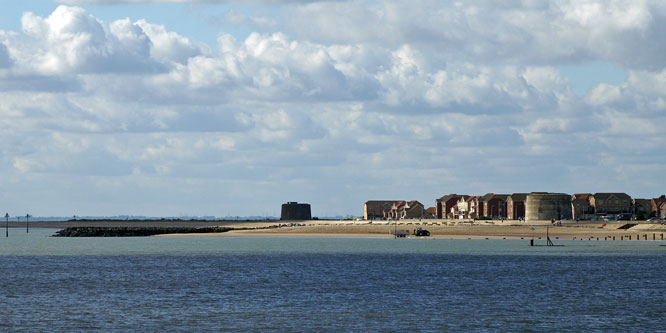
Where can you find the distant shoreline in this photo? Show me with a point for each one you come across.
(346, 228)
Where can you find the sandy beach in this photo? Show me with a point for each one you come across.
(449, 229)
(437, 228)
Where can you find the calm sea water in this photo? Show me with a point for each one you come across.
(327, 284)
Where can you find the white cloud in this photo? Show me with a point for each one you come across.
(75, 2)
(5, 60)
(409, 100)
(71, 40)
(535, 32)
(168, 45)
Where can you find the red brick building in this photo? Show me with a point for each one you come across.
(407, 210)
(611, 203)
(494, 205)
(515, 206)
(581, 207)
(657, 206)
(377, 209)
(444, 204)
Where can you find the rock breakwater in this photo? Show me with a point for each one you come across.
(134, 231)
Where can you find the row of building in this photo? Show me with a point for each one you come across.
(519, 206)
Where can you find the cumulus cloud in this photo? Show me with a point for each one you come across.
(406, 100)
(545, 32)
(72, 41)
(5, 60)
(168, 45)
(74, 2)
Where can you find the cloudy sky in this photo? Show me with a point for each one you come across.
(176, 107)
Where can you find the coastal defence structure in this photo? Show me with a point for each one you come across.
(296, 211)
(547, 206)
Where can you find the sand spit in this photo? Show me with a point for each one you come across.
(349, 228)
(453, 230)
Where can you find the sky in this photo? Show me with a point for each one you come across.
(224, 108)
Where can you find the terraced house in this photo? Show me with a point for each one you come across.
(581, 207)
(407, 210)
(494, 205)
(515, 206)
(657, 206)
(444, 205)
(461, 209)
(642, 208)
(611, 203)
(377, 209)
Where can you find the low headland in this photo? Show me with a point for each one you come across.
(439, 228)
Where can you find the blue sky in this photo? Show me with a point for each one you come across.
(198, 21)
(221, 108)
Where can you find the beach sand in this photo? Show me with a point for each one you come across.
(438, 228)
(450, 229)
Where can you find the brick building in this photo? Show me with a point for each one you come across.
(494, 205)
(581, 207)
(656, 204)
(444, 204)
(515, 206)
(461, 209)
(407, 210)
(642, 208)
(611, 203)
(377, 209)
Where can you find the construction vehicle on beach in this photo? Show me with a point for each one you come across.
(420, 232)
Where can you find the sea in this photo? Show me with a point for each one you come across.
(281, 284)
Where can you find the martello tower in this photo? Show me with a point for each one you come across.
(296, 211)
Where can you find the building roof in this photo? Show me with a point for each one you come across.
(581, 196)
(431, 210)
(642, 202)
(487, 196)
(381, 201)
(608, 195)
(448, 197)
(518, 197)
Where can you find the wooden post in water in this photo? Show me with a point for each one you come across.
(7, 225)
(27, 223)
